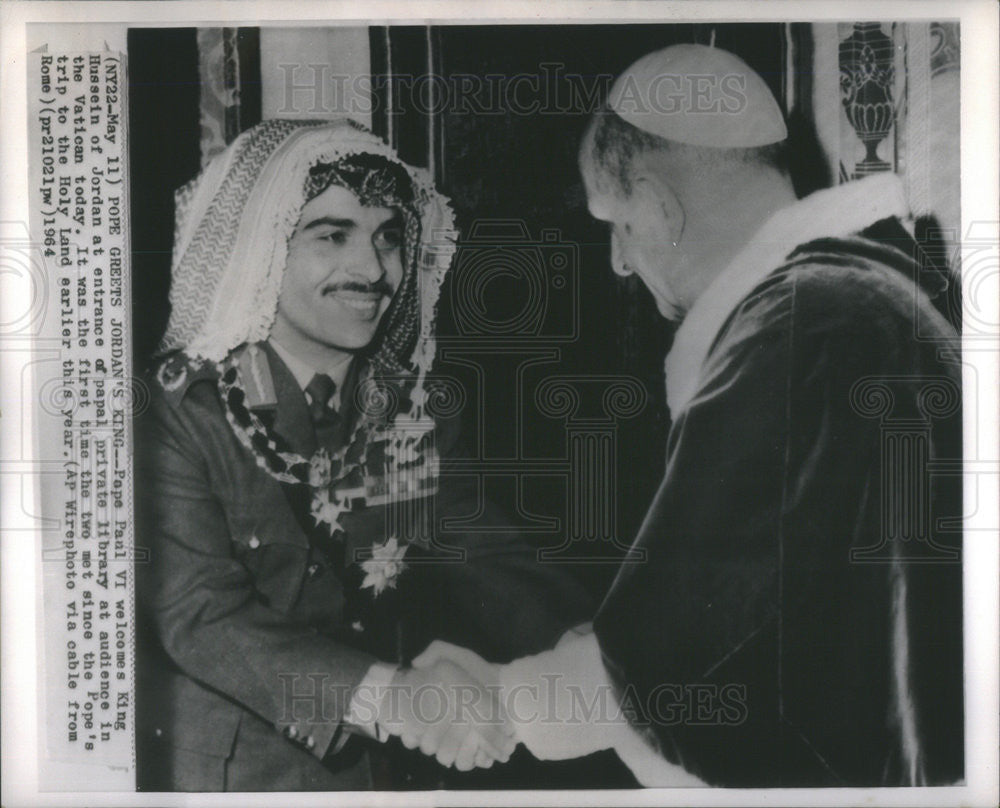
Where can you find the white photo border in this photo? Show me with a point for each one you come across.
(979, 197)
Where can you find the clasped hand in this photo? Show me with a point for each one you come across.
(442, 709)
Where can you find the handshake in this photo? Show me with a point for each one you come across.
(560, 704)
(448, 706)
(454, 705)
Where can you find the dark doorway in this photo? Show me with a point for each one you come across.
(501, 127)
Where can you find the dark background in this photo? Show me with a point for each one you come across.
(514, 182)
(515, 185)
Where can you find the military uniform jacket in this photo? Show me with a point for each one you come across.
(241, 608)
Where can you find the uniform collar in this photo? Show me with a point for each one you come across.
(304, 372)
(272, 386)
(831, 213)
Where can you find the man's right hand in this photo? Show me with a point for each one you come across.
(447, 712)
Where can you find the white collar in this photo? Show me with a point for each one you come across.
(304, 372)
(831, 213)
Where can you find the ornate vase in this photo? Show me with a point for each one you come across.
(866, 77)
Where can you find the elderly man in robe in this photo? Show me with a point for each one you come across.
(797, 620)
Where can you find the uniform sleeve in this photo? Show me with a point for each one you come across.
(203, 605)
(491, 590)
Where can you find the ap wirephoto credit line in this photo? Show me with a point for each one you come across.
(79, 200)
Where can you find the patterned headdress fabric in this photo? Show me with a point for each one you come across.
(234, 221)
(376, 181)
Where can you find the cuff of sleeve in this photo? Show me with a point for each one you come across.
(319, 725)
(543, 695)
(362, 713)
(649, 767)
(315, 738)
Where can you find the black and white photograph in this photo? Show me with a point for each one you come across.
(575, 409)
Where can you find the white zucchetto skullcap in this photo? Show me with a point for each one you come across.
(699, 95)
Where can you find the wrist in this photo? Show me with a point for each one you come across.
(366, 704)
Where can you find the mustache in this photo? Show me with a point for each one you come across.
(380, 287)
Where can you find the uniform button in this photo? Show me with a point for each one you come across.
(254, 542)
(314, 570)
(293, 731)
(159, 732)
(310, 742)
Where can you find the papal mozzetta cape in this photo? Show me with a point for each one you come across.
(797, 620)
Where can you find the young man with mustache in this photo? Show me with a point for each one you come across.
(290, 489)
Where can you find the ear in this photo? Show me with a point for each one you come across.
(655, 194)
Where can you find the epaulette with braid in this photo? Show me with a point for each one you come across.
(177, 372)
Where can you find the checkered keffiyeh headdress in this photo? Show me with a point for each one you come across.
(231, 241)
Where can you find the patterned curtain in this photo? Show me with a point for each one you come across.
(229, 70)
(886, 98)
